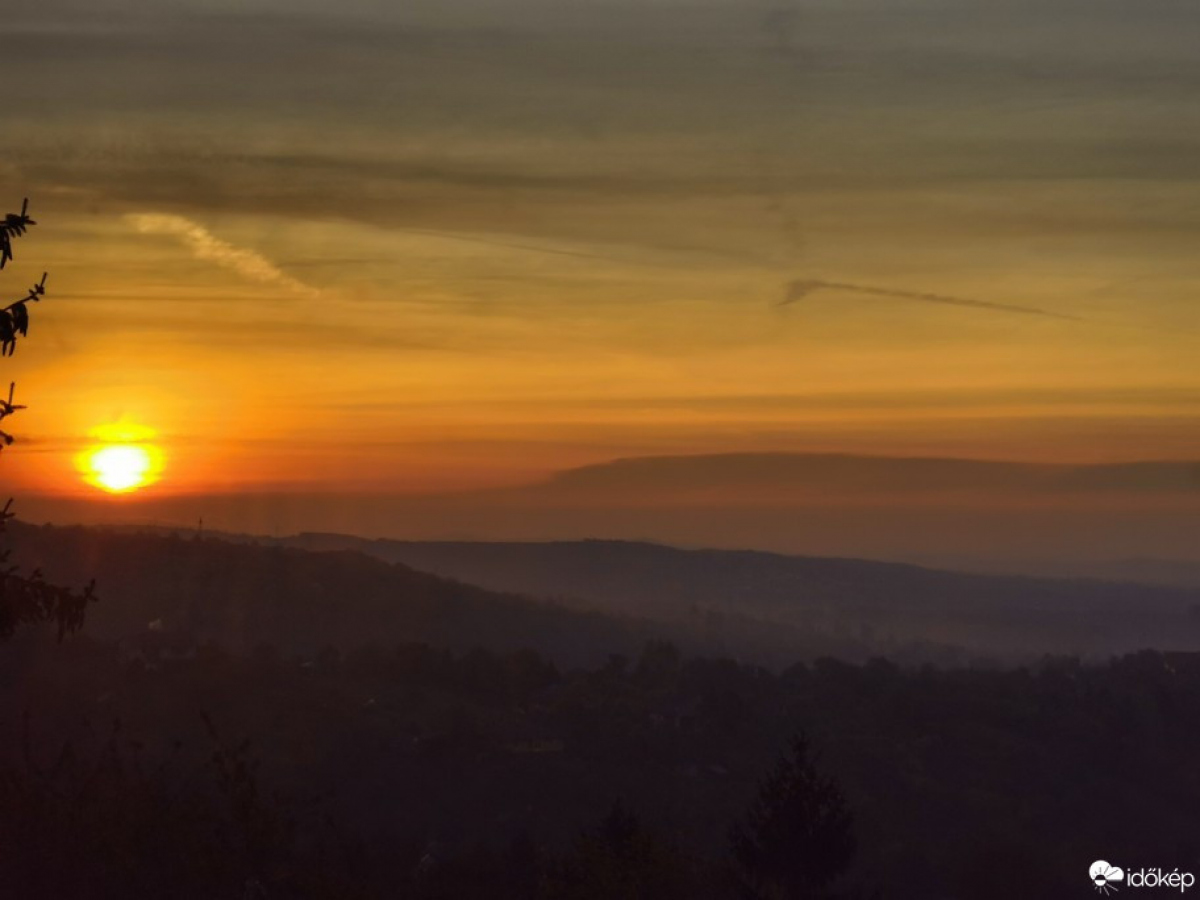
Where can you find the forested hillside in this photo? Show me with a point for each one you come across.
(476, 775)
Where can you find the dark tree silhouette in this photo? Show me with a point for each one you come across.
(27, 598)
(797, 837)
(621, 858)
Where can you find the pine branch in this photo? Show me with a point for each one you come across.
(35, 294)
(27, 598)
(14, 318)
(13, 226)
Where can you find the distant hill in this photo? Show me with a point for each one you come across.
(242, 595)
(578, 602)
(880, 604)
(164, 586)
(1174, 572)
(897, 508)
(846, 473)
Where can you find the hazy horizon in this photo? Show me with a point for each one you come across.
(980, 514)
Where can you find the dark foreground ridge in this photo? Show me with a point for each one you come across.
(244, 720)
(406, 770)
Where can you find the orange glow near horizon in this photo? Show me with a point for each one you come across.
(122, 460)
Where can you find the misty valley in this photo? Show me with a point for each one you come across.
(310, 717)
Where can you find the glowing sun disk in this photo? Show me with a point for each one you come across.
(120, 467)
(122, 462)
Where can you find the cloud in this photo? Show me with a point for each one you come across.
(801, 288)
(207, 246)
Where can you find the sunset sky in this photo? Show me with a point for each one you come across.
(423, 246)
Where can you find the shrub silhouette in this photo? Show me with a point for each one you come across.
(797, 837)
(621, 858)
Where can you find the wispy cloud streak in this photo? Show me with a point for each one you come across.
(799, 289)
(206, 246)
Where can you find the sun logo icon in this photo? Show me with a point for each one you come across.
(1103, 875)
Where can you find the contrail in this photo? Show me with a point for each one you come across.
(207, 246)
(798, 290)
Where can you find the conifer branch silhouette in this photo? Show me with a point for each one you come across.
(14, 225)
(28, 598)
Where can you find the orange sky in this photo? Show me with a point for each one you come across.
(571, 242)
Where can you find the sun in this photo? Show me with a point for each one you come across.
(119, 467)
(123, 460)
